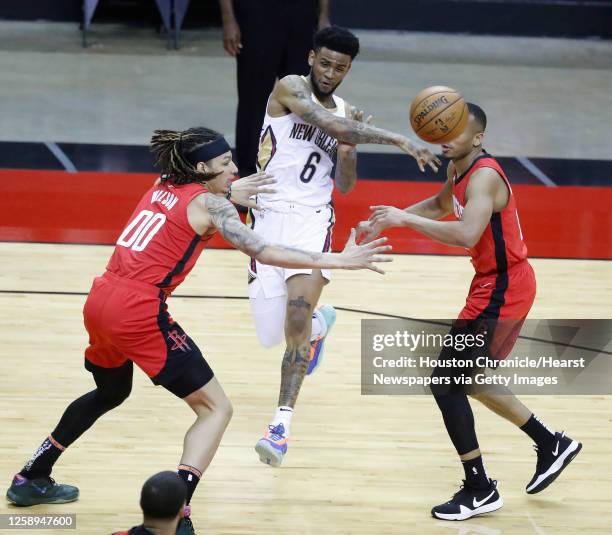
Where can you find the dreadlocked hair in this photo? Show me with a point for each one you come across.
(170, 148)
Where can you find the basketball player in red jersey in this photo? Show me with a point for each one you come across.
(127, 317)
(478, 192)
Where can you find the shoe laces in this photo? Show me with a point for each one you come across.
(460, 492)
(543, 453)
(464, 488)
(276, 432)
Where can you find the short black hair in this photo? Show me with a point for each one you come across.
(163, 495)
(479, 115)
(337, 39)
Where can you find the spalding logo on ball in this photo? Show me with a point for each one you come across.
(438, 114)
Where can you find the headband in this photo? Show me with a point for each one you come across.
(206, 152)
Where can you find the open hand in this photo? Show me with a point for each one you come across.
(421, 154)
(248, 186)
(358, 115)
(364, 256)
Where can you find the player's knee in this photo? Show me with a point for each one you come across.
(218, 404)
(226, 410)
(113, 397)
(298, 324)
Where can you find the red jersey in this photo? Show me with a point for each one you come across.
(158, 246)
(501, 245)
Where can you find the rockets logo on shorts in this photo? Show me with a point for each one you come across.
(179, 341)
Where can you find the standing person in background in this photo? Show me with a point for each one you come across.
(269, 39)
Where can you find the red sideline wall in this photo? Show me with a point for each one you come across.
(92, 207)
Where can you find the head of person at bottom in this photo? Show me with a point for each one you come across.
(196, 155)
(162, 500)
(333, 51)
(470, 140)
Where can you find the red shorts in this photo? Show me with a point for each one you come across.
(129, 320)
(503, 301)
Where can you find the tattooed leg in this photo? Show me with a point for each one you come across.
(303, 294)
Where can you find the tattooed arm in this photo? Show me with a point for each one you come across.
(221, 214)
(293, 93)
(346, 162)
(346, 168)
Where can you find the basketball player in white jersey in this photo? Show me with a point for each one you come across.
(306, 129)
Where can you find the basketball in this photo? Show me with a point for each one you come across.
(438, 114)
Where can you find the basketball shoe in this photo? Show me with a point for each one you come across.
(552, 461)
(327, 317)
(272, 446)
(26, 492)
(469, 502)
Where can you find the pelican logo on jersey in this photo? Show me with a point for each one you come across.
(309, 132)
(457, 208)
(165, 198)
(179, 341)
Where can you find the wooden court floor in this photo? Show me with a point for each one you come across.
(356, 464)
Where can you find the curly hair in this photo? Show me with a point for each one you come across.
(337, 39)
(170, 148)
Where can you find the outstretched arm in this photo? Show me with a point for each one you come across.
(225, 218)
(293, 93)
(436, 207)
(463, 233)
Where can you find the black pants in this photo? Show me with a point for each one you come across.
(276, 38)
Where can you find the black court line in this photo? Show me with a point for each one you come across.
(345, 309)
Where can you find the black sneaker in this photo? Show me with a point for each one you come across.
(469, 502)
(552, 461)
(26, 492)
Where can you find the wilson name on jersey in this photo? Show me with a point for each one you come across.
(158, 245)
(301, 157)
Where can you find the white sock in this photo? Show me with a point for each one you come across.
(319, 326)
(283, 416)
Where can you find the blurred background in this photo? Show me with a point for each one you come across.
(76, 120)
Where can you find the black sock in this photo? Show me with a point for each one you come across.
(41, 463)
(475, 473)
(191, 476)
(538, 432)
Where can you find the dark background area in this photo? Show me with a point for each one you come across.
(569, 18)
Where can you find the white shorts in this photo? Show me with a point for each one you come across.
(291, 225)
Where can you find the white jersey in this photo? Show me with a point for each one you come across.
(301, 158)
